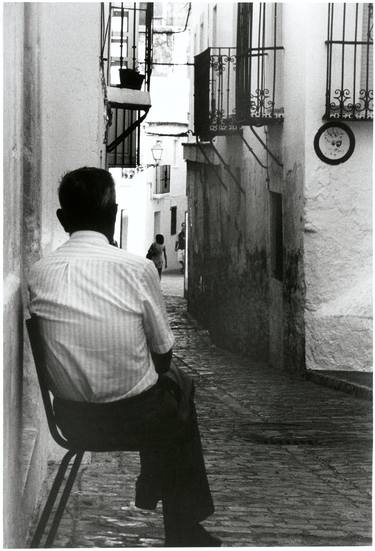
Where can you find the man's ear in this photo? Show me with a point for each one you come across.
(61, 217)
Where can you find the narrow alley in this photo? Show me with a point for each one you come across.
(289, 461)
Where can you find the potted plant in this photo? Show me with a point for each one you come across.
(131, 78)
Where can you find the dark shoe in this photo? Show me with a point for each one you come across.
(194, 536)
(147, 493)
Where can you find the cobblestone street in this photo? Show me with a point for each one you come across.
(289, 461)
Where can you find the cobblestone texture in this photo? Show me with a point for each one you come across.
(289, 462)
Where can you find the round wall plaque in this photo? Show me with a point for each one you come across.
(334, 142)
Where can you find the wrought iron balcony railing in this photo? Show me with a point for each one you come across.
(349, 88)
(214, 99)
(221, 104)
(241, 86)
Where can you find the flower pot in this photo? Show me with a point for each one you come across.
(129, 78)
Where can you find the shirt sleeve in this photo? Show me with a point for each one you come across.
(158, 333)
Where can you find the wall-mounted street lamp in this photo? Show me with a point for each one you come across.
(157, 151)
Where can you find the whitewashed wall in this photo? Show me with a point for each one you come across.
(53, 122)
(338, 234)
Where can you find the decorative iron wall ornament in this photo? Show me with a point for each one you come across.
(349, 80)
(334, 142)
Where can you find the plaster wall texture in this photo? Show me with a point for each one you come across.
(24, 447)
(338, 244)
(52, 122)
(72, 117)
(12, 269)
(290, 140)
(134, 197)
(228, 285)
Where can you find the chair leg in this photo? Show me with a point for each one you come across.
(64, 498)
(52, 496)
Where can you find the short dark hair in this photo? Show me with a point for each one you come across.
(159, 238)
(87, 195)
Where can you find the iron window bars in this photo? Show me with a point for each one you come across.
(163, 178)
(127, 153)
(349, 83)
(237, 86)
(259, 50)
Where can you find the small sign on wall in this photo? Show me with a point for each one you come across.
(334, 142)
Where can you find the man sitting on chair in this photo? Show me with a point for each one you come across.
(108, 350)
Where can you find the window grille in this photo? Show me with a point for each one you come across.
(163, 175)
(349, 86)
(258, 89)
(127, 153)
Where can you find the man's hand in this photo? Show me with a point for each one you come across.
(162, 362)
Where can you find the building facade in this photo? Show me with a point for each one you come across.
(279, 204)
(152, 195)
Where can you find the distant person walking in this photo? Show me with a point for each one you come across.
(156, 251)
(180, 247)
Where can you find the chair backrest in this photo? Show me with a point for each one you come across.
(33, 330)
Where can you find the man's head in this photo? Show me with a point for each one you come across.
(88, 201)
(159, 238)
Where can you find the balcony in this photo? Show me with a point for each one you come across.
(239, 86)
(126, 62)
(226, 96)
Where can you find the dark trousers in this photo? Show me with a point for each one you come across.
(161, 424)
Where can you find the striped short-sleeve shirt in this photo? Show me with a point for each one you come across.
(102, 313)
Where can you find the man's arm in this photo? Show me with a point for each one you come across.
(162, 362)
(165, 256)
(155, 320)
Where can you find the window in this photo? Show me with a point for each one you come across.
(127, 153)
(123, 27)
(276, 231)
(156, 222)
(258, 89)
(173, 220)
(163, 175)
(349, 82)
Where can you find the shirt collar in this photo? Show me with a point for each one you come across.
(89, 236)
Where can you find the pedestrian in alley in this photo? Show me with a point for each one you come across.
(156, 252)
(180, 247)
(108, 349)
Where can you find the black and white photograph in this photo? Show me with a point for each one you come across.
(187, 274)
